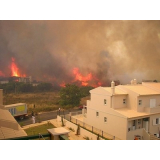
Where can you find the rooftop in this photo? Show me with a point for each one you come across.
(9, 128)
(58, 131)
(117, 91)
(12, 105)
(130, 113)
(141, 90)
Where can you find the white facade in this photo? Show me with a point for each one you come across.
(125, 111)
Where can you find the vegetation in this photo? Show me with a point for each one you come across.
(72, 94)
(39, 129)
(71, 129)
(62, 121)
(78, 130)
(40, 101)
(20, 87)
(84, 90)
(87, 138)
(36, 102)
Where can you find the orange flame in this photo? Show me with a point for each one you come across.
(84, 79)
(62, 84)
(89, 79)
(15, 70)
(2, 74)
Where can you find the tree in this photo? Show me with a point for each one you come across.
(43, 87)
(84, 90)
(70, 95)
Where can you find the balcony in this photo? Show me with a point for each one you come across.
(152, 110)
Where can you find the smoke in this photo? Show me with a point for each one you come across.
(110, 50)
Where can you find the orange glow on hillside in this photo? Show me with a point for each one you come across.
(2, 74)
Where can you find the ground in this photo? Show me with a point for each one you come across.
(39, 129)
(46, 101)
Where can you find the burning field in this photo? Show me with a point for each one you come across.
(86, 53)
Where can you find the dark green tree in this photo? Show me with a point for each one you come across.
(70, 95)
(84, 90)
(43, 87)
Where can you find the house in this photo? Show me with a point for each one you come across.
(125, 111)
(9, 128)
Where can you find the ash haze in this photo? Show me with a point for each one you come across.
(110, 50)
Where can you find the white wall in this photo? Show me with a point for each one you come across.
(146, 102)
(83, 132)
(117, 101)
(116, 124)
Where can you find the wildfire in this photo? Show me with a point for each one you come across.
(89, 79)
(2, 74)
(63, 84)
(15, 70)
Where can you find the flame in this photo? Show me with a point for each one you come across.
(15, 70)
(63, 84)
(79, 77)
(2, 74)
(89, 79)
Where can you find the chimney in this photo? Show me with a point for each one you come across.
(135, 81)
(113, 87)
(132, 82)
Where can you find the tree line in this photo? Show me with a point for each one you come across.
(70, 95)
(20, 87)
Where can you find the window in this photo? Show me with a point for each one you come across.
(139, 121)
(157, 120)
(134, 122)
(105, 102)
(140, 102)
(124, 101)
(97, 114)
(105, 119)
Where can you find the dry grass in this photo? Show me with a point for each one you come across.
(47, 101)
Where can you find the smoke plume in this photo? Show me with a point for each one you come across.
(110, 50)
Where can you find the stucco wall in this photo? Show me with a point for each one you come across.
(83, 132)
(131, 98)
(153, 129)
(146, 102)
(97, 101)
(117, 101)
(116, 124)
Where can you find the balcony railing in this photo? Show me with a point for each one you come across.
(152, 110)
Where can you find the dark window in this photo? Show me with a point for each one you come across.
(157, 120)
(97, 114)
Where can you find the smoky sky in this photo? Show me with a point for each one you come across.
(111, 50)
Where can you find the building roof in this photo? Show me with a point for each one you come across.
(9, 128)
(13, 105)
(130, 113)
(58, 131)
(141, 90)
(152, 85)
(117, 91)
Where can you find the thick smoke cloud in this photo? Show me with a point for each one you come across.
(108, 49)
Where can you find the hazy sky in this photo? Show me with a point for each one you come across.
(110, 50)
